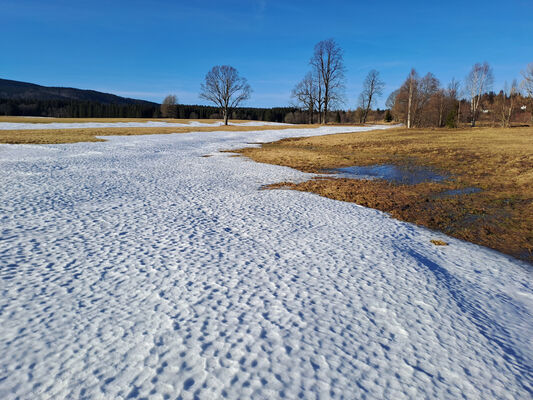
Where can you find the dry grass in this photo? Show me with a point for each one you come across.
(498, 161)
(51, 136)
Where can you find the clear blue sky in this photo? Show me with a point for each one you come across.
(147, 49)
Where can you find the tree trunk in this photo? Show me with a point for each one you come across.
(472, 109)
(225, 116)
(409, 105)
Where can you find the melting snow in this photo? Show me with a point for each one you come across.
(135, 268)
(148, 124)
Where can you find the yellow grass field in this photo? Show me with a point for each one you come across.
(497, 161)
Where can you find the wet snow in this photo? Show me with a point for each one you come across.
(135, 268)
(147, 124)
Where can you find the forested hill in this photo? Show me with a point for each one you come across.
(21, 98)
(15, 90)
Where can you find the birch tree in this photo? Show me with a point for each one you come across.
(412, 81)
(224, 87)
(328, 64)
(478, 81)
(372, 88)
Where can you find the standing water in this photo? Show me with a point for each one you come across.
(409, 175)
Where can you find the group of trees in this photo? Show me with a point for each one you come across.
(322, 88)
(88, 109)
(75, 109)
(422, 102)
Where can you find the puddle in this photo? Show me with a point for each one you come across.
(408, 175)
(457, 192)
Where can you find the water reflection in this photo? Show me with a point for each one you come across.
(408, 175)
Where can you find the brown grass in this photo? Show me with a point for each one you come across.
(51, 136)
(498, 161)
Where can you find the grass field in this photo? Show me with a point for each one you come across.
(54, 136)
(497, 161)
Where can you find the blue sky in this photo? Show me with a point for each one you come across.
(147, 49)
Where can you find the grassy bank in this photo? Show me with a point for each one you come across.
(497, 161)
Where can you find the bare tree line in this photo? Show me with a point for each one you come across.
(420, 101)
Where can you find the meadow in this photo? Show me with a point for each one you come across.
(497, 162)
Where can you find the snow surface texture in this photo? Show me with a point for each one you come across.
(149, 124)
(135, 268)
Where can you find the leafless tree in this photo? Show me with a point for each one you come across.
(224, 87)
(319, 98)
(453, 92)
(168, 107)
(506, 102)
(417, 102)
(527, 83)
(305, 95)
(328, 64)
(427, 89)
(389, 103)
(478, 81)
(411, 82)
(372, 88)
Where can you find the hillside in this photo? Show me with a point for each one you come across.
(16, 90)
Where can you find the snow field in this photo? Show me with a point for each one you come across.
(149, 124)
(135, 268)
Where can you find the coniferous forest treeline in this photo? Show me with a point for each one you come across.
(89, 109)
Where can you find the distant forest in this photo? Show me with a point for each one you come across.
(28, 99)
(90, 109)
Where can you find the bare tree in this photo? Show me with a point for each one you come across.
(505, 103)
(319, 98)
(168, 107)
(305, 95)
(427, 89)
(389, 103)
(372, 88)
(453, 92)
(328, 63)
(224, 87)
(527, 83)
(411, 85)
(478, 81)
(417, 101)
